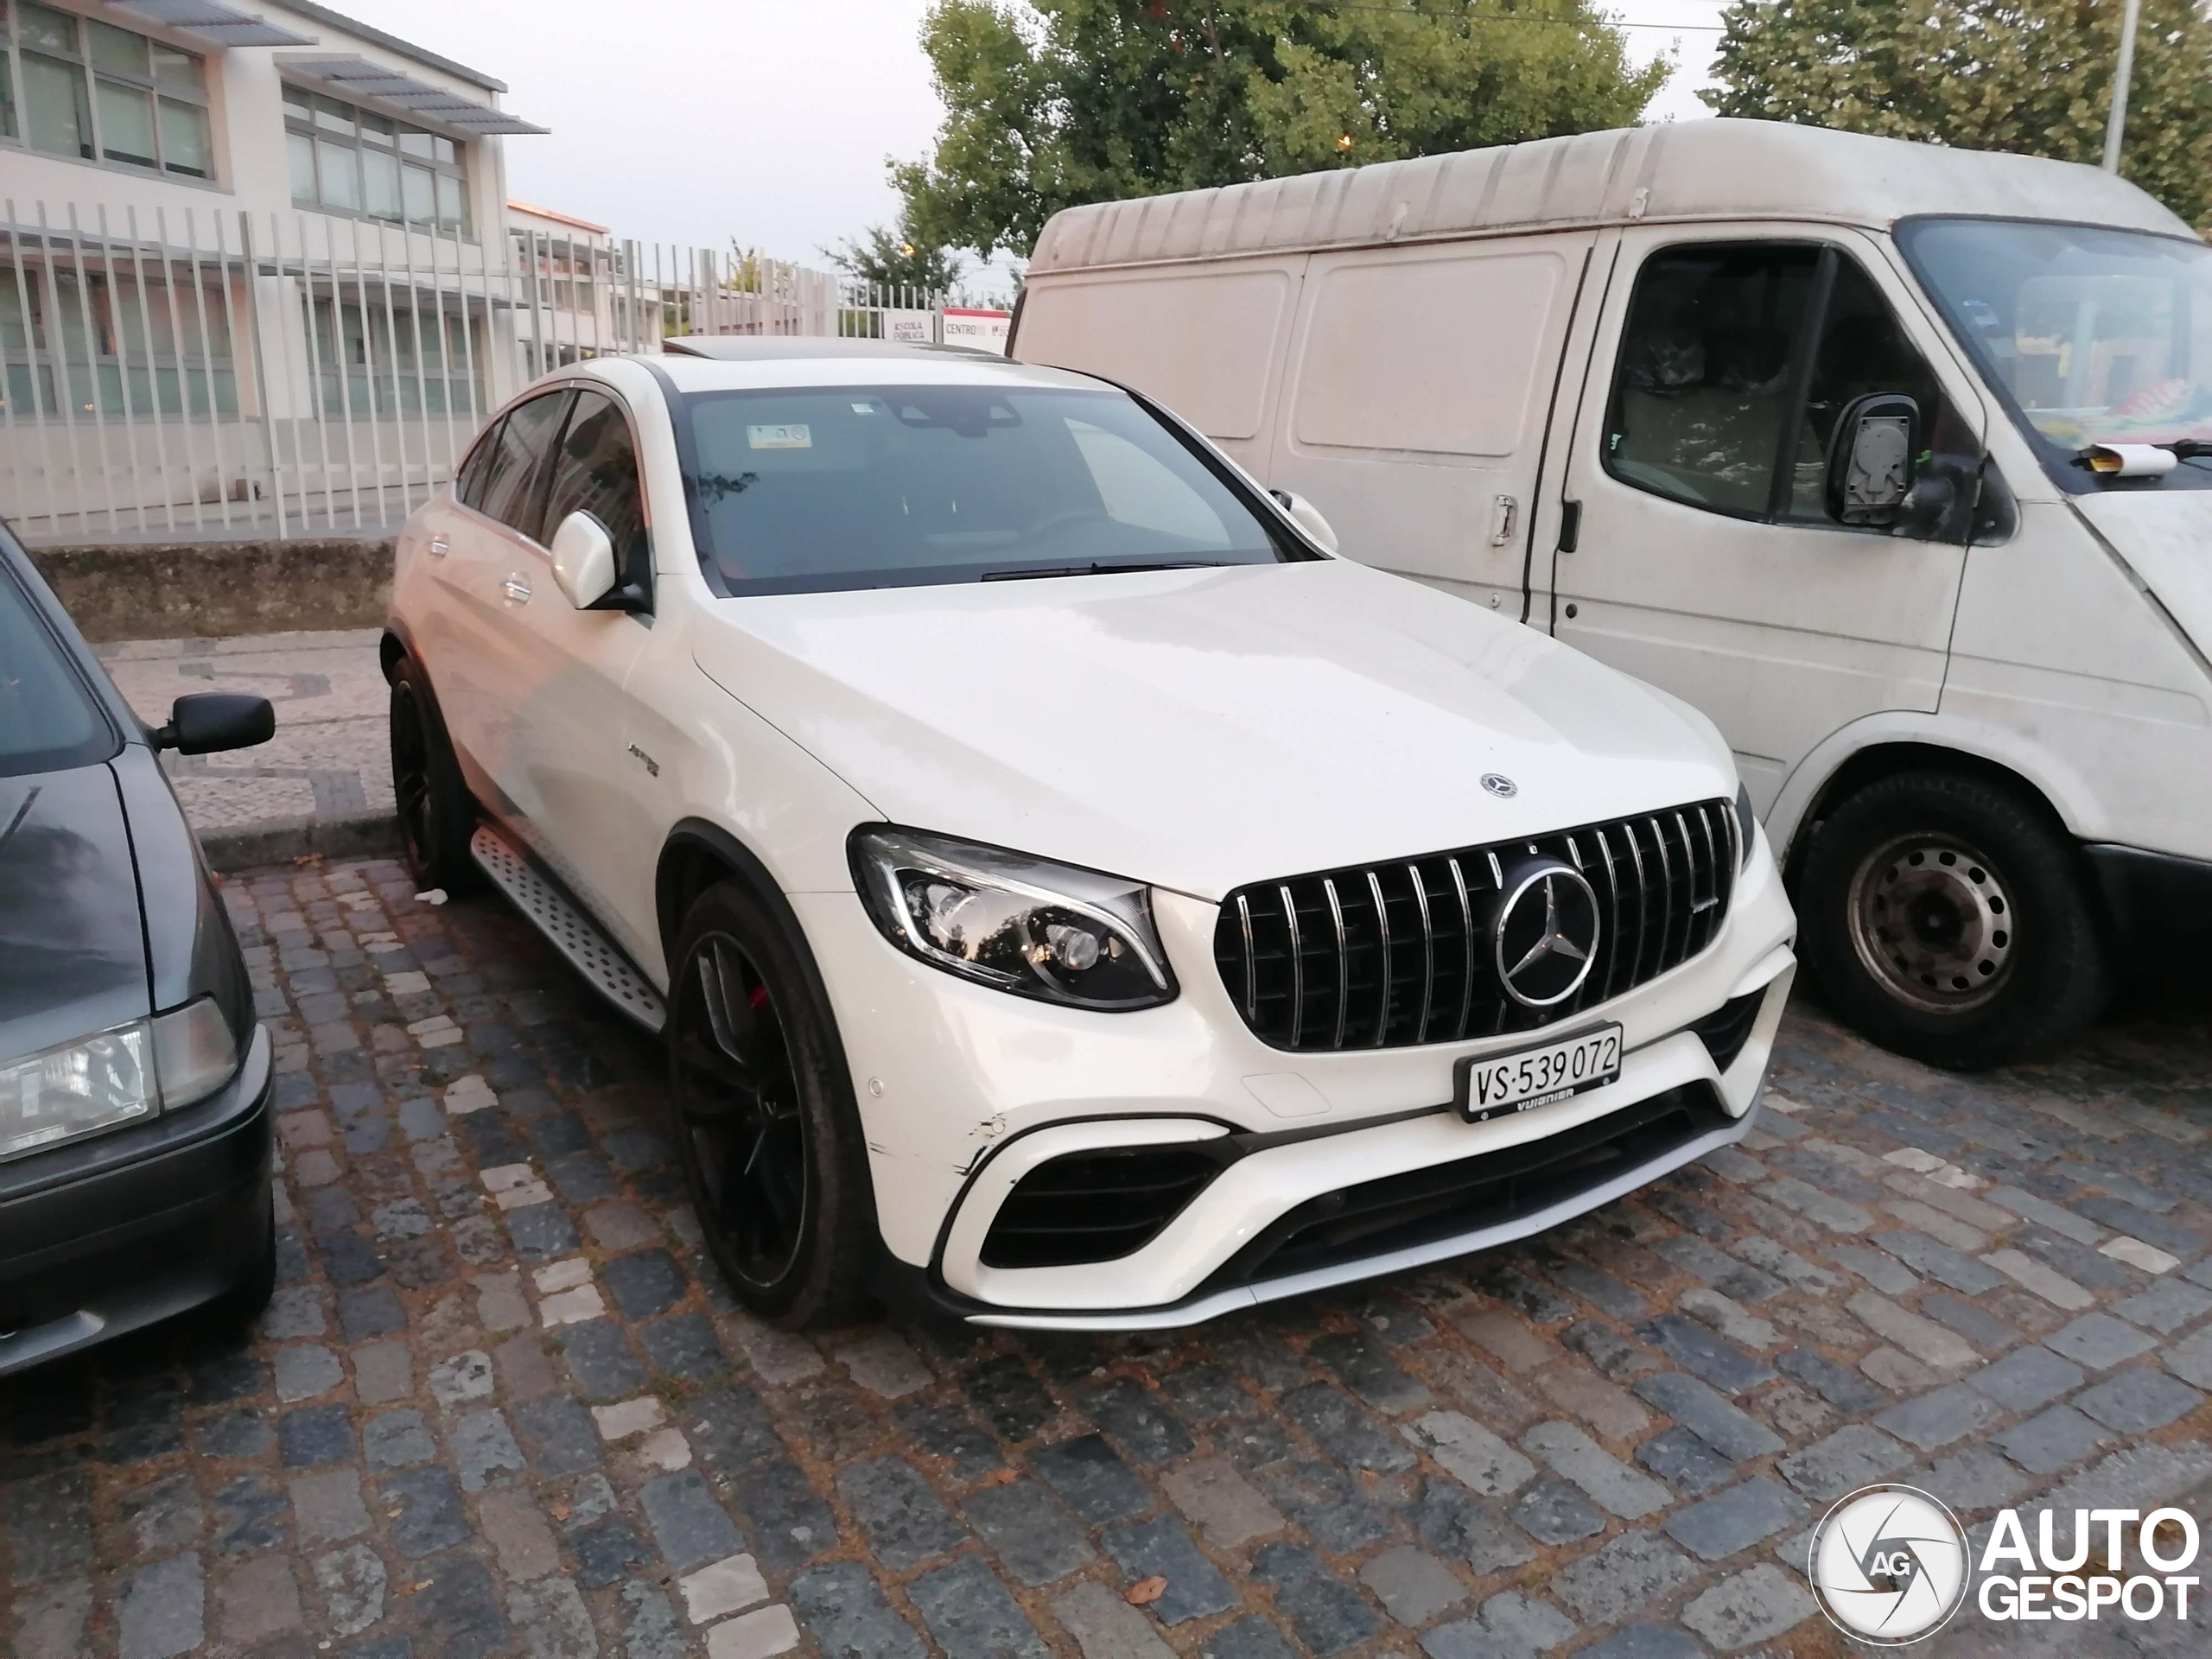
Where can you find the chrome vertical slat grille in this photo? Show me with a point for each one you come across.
(1400, 953)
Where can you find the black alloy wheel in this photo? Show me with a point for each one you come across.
(435, 814)
(1950, 918)
(737, 1095)
(767, 1138)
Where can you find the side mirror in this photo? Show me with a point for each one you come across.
(1871, 465)
(1306, 517)
(209, 723)
(583, 560)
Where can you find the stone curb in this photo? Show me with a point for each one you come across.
(279, 841)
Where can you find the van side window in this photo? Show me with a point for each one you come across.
(1735, 363)
(1701, 397)
(1860, 350)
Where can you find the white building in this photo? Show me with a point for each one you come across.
(227, 235)
(260, 271)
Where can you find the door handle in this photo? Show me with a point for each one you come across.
(440, 546)
(516, 589)
(1503, 512)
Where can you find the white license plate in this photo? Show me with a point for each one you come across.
(1484, 1087)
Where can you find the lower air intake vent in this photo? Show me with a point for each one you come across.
(1424, 1205)
(1095, 1206)
(1728, 1028)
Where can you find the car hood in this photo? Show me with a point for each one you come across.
(73, 947)
(2166, 537)
(1200, 729)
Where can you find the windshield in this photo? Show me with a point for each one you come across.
(48, 719)
(815, 489)
(2091, 335)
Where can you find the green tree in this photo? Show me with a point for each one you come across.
(895, 256)
(2032, 76)
(1058, 102)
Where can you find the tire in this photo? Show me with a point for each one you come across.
(766, 1126)
(437, 814)
(1950, 920)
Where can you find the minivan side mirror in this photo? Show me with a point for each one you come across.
(1307, 518)
(209, 723)
(1871, 465)
(583, 560)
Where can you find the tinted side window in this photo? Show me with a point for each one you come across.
(468, 482)
(1861, 349)
(1701, 397)
(1736, 362)
(513, 490)
(596, 471)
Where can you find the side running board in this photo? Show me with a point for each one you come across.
(574, 934)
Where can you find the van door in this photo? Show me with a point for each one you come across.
(1420, 386)
(1704, 560)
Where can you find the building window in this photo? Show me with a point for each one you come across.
(75, 343)
(347, 160)
(380, 360)
(72, 86)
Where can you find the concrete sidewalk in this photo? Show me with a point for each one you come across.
(323, 784)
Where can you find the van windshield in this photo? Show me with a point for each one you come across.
(2091, 335)
(813, 489)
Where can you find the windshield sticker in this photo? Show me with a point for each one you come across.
(785, 434)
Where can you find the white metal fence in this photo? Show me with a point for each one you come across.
(182, 375)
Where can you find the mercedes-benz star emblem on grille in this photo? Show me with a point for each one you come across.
(1498, 784)
(1546, 933)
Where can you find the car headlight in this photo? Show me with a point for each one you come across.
(126, 1075)
(1015, 923)
(1747, 827)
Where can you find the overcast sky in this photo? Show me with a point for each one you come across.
(768, 121)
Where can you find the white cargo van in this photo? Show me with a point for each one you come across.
(1848, 441)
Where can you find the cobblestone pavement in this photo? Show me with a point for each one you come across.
(500, 1404)
(329, 757)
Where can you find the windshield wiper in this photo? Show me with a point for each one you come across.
(1096, 568)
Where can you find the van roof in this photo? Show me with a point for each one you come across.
(1691, 170)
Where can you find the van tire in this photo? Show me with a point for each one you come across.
(1949, 919)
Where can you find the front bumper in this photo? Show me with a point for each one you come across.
(961, 1090)
(118, 1232)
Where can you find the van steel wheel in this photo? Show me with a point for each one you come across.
(1930, 917)
(765, 1134)
(436, 816)
(1948, 917)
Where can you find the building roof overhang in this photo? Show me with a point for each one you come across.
(212, 22)
(359, 78)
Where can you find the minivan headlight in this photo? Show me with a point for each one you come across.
(1021, 925)
(115, 1077)
(1747, 827)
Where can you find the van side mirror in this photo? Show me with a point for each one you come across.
(1871, 467)
(209, 722)
(583, 560)
(1307, 518)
